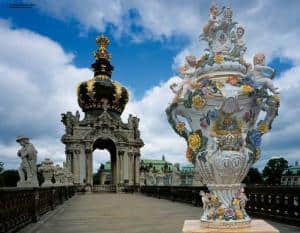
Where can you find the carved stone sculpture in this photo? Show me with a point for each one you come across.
(69, 120)
(219, 119)
(47, 170)
(27, 170)
(176, 175)
(58, 175)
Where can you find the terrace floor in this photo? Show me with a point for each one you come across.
(121, 213)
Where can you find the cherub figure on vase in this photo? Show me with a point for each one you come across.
(188, 83)
(213, 23)
(239, 48)
(262, 74)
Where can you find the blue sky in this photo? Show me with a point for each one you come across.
(47, 50)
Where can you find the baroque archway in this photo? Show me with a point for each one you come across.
(102, 100)
(104, 159)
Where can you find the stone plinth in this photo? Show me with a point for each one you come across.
(256, 226)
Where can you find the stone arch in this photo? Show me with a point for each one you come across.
(96, 139)
(103, 132)
(108, 144)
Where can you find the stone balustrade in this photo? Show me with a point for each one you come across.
(280, 203)
(21, 206)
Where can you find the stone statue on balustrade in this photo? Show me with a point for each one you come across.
(69, 120)
(176, 175)
(27, 170)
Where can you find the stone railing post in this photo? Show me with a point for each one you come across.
(53, 198)
(36, 208)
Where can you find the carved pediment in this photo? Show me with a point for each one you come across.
(105, 120)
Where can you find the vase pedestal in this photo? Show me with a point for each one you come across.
(256, 226)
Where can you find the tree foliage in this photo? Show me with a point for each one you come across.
(273, 170)
(1, 167)
(10, 178)
(253, 177)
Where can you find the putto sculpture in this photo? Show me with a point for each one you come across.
(216, 110)
(27, 170)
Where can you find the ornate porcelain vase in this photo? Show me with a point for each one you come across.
(217, 110)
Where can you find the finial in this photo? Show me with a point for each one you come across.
(102, 42)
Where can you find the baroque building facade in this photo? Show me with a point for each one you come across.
(291, 176)
(102, 100)
(164, 173)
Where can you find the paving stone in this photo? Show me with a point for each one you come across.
(124, 213)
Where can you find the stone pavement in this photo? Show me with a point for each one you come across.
(121, 213)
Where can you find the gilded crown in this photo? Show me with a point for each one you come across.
(100, 92)
(102, 42)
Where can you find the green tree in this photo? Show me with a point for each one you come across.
(253, 177)
(1, 177)
(1, 167)
(10, 178)
(273, 170)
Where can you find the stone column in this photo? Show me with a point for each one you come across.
(69, 160)
(130, 166)
(120, 166)
(76, 166)
(125, 165)
(116, 170)
(89, 167)
(121, 162)
(137, 169)
(133, 168)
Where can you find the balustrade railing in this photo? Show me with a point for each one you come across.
(104, 188)
(21, 206)
(279, 203)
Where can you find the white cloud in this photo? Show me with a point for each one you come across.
(38, 78)
(158, 136)
(271, 26)
(38, 82)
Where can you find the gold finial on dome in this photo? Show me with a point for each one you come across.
(102, 42)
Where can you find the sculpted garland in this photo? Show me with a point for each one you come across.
(219, 98)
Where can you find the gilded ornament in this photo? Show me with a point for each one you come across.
(247, 88)
(90, 86)
(102, 77)
(263, 127)
(102, 41)
(194, 141)
(236, 202)
(239, 214)
(257, 154)
(218, 58)
(180, 126)
(220, 211)
(198, 102)
(118, 91)
(240, 124)
(211, 214)
(276, 98)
